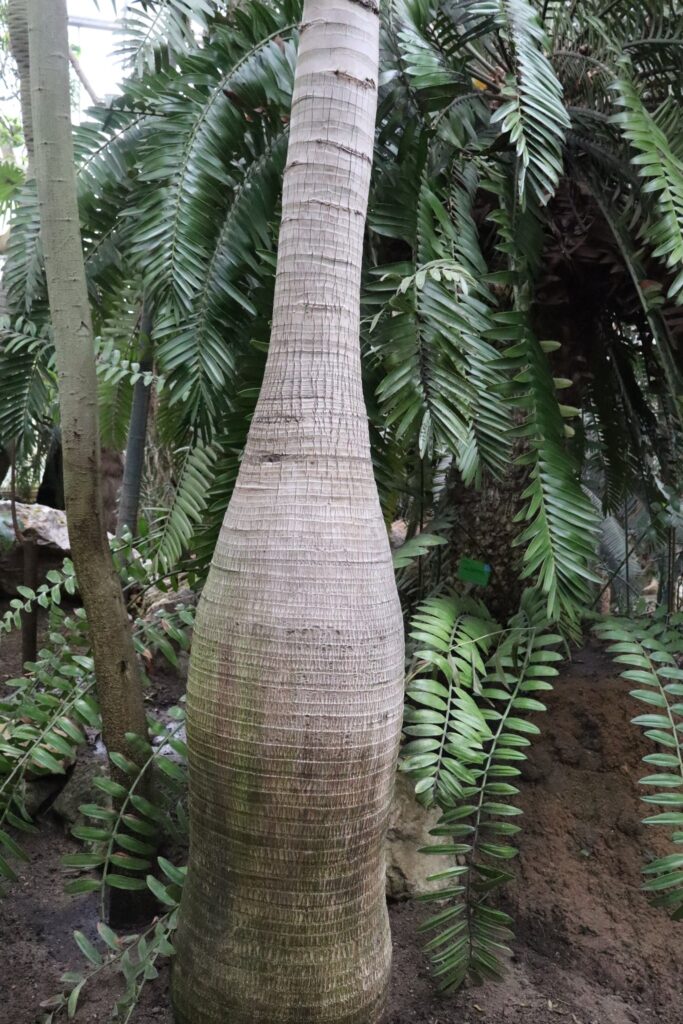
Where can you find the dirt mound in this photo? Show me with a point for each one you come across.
(578, 898)
(589, 948)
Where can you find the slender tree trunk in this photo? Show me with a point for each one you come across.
(118, 683)
(17, 24)
(129, 502)
(295, 693)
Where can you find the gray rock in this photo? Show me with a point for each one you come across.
(79, 789)
(156, 601)
(47, 526)
(409, 825)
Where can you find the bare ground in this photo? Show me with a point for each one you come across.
(588, 950)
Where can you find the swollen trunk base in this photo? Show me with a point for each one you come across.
(296, 677)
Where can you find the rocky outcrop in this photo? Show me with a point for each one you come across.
(80, 788)
(47, 526)
(409, 825)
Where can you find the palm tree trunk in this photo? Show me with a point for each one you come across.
(129, 501)
(118, 682)
(295, 692)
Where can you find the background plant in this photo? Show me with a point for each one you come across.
(652, 651)
(521, 294)
(471, 689)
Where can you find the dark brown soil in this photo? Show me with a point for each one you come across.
(589, 949)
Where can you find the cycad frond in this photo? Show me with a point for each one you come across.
(209, 125)
(488, 441)
(436, 47)
(441, 380)
(426, 64)
(608, 440)
(151, 27)
(651, 651)
(210, 181)
(621, 216)
(425, 388)
(106, 150)
(27, 384)
(453, 637)
(657, 58)
(663, 172)
(560, 526)
(175, 526)
(466, 725)
(23, 276)
(115, 352)
(533, 113)
(200, 355)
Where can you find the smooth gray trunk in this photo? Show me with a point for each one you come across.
(296, 680)
(118, 681)
(129, 501)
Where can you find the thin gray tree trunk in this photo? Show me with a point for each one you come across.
(118, 682)
(129, 501)
(296, 680)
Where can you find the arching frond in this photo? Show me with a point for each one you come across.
(175, 526)
(152, 28)
(207, 205)
(650, 650)
(106, 150)
(560, 526)
(201, 354)
(23, 271)
(533, 113)
(608, 442)
(663, 172)
(441, 376)
(467, 727)
(619, 214)
(488, 441)
(209, 125)
(27, 384)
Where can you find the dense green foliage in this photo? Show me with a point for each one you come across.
(651, 651)
(503, 128)
(521, 297)
(469, 694)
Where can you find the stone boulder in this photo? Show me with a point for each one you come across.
(409, 825)
(156, 601)
(47, 526)
(79, 787)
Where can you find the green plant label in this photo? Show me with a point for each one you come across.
(471, 571)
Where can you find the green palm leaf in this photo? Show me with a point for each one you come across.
(663, 172)
(533, 114)
(650, 652)
(466, 728)
(175, 526)
(151, 29)
(560, 526)
(27, 384)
